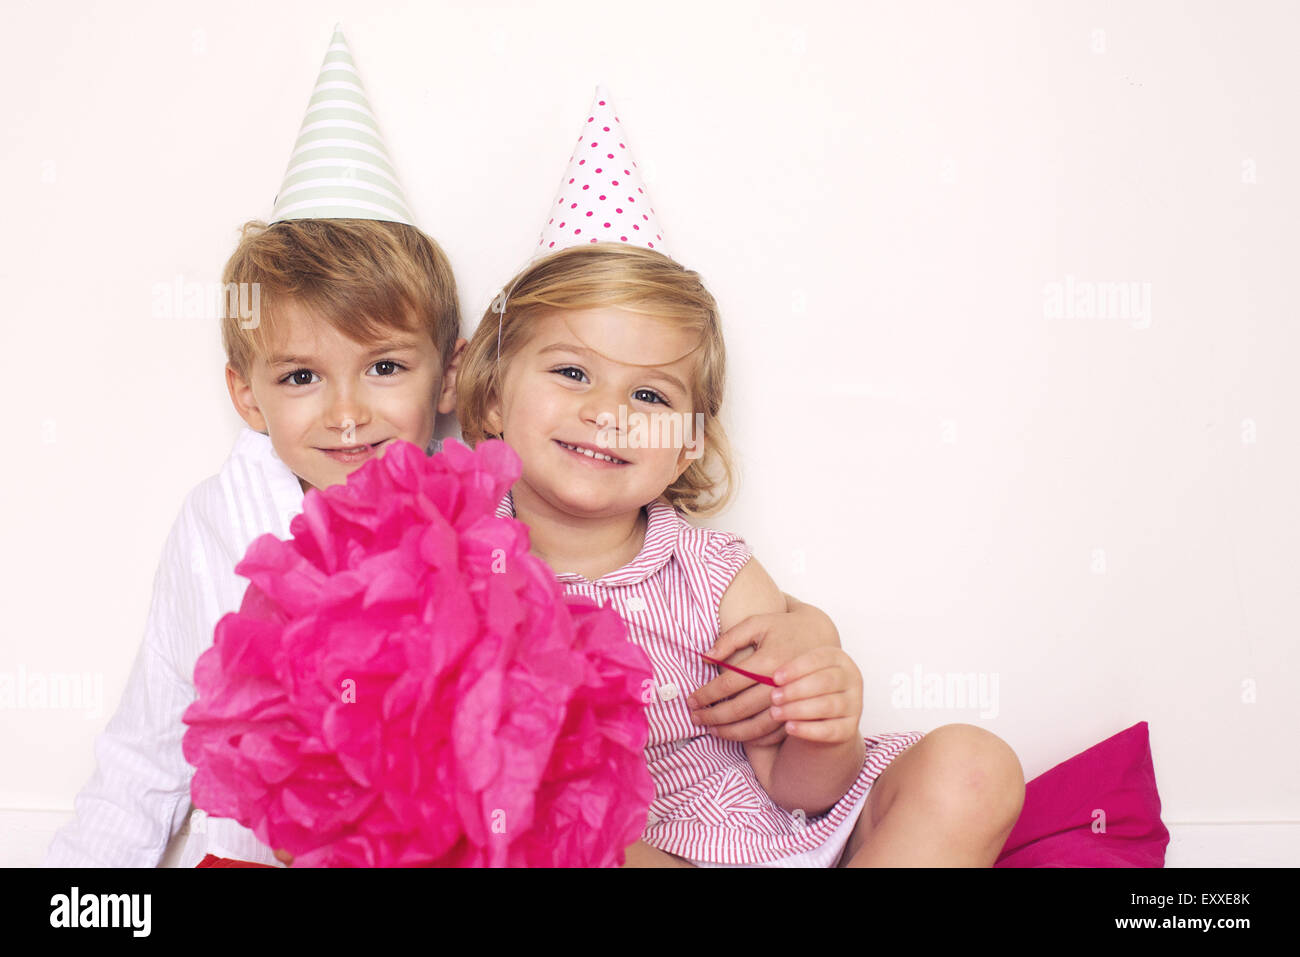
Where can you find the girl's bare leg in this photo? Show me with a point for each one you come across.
(642, 854)
(950, 800)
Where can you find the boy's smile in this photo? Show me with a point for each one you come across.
(330, 404)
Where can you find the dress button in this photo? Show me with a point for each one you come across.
(667, 692)
(635, 603)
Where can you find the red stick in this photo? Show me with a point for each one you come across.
(764, 679)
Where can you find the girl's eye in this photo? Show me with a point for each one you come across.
(655, 396)
(565, 369)
(388, 364)
(294, 376)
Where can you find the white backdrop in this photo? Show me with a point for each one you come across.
(903, 211)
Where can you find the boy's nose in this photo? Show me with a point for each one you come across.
(346, 410)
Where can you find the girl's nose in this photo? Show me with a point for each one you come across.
(600, 407)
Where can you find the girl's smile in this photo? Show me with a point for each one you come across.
(593, 455)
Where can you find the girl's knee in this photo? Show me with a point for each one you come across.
(976, 777)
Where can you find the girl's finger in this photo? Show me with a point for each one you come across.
(822, 707)
(761, 726)
(825, 681)
(824, 731)
(808, 662)
(717, 689)
(776, 737)
(723, 686)
(749, 703)
(748, 632)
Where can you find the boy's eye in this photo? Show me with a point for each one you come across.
(293, 378)
(384, 368)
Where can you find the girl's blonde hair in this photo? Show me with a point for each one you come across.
(364, 277)
(632, 279)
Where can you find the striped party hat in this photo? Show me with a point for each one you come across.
(602, 197)
(339, 168)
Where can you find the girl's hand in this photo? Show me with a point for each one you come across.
(777, 639)
(284, 857)
(819, 696)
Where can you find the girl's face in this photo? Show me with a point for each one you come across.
(606, 380)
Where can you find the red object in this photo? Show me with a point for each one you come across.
(212, 860)
(764, 679)
(1099, 808)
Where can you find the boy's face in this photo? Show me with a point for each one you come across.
(330, 404)
(594, 377)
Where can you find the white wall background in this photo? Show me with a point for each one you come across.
(1101, 513)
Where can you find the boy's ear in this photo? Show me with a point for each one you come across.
(447, 398)
(241, 394)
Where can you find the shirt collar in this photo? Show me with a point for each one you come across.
(286, 490)
(662, 529)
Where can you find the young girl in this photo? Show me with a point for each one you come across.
(604, 369)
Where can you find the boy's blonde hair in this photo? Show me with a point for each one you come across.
(364, 277)
(625, 277)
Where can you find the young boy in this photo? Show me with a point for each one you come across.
(319, 377)
(351, 343)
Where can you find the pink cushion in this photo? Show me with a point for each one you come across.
(1059, 826)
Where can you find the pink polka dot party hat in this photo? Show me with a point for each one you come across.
(602, 197)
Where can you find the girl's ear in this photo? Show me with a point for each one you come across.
(492, 416)
(692, 449)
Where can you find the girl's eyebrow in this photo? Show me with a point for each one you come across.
(650, 371)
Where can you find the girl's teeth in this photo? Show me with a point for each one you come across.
(592, 455)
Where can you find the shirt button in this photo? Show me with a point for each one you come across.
(635, 603)
(667, 692)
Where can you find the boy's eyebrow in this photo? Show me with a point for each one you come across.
(650, 370)
(393, 345)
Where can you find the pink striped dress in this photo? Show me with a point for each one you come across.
(709, 807)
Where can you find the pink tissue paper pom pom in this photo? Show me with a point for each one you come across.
(405, 685)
